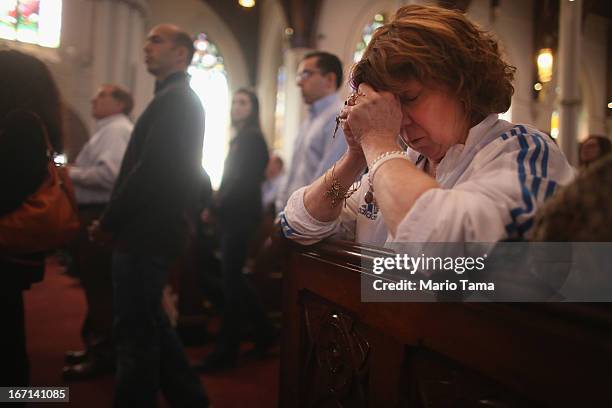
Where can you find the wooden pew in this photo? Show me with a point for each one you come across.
(340, 352)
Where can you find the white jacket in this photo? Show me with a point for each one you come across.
(490, 189)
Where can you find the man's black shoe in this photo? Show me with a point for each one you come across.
(72, 357)
(215, 362)
(86, 370)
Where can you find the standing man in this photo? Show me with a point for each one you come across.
(156, 192)
(315, 151)
(93, 176)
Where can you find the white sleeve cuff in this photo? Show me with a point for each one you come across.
(299, 225)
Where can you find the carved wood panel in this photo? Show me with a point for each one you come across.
(340, 352)
(335, 356)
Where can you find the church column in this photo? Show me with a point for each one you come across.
(302, 21)
(101, 50)
(115, 42)
(569, 73)
(294, 107)
(121, 45)
(140, 81)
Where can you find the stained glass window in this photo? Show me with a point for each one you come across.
(31, 21)
(209, 82)
(366, 35)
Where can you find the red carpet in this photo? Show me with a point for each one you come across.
(54, 312)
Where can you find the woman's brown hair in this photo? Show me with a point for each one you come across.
(27, 84)
(30, 105)
(252, 121)
(437, 46)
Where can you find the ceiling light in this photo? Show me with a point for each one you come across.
(247, 3)
(545, 65)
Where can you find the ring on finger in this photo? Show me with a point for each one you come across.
(352, 99)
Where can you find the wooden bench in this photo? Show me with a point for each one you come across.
(340, 352)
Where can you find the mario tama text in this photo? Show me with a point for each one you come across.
(432, 285)
(423, 273)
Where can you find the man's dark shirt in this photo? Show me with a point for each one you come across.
(159, 182)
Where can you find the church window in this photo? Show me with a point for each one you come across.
(366, 35)
(31, 21)
(210, 83)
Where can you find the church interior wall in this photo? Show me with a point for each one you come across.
(271, 46)
(341, 39)
(294, 108)
(196, 16)
(593, 75)
(512, 26)
(101, 41)
(118, 31)
(73, 68)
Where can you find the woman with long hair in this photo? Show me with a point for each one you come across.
(30, 101)
(238, 209)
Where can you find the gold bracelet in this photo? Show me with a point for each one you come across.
(352, 190)
(336, 193)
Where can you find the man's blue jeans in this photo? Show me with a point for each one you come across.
(150, 356)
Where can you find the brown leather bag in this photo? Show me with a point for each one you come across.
(47, 219)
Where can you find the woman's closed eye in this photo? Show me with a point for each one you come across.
(406, 99)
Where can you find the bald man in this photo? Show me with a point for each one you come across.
(156, 191)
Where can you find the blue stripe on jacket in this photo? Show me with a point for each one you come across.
(285, 227)
(528, 194)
